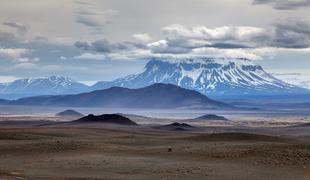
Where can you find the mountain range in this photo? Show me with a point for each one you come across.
(214, 77)
(156, 96)
(53, 85)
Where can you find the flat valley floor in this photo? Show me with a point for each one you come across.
(68, 152)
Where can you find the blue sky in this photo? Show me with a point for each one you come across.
(105, 39)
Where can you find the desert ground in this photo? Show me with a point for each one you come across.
(39, 150)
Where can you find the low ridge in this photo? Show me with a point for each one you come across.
(156, 96)
(211, 117)
(70, 113)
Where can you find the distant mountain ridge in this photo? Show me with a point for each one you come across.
(211, 117)
(156, 96)
(53, 85)
(211, 76)
(69, 113)
(297, 79)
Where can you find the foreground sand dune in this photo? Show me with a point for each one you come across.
(82, 152)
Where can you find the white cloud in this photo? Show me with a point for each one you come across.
(249, 53)
(6, 79)
(133, 55)
(228, 34)
(15, 54)
(25, 66)
(291, 33)
(18, 55)
(160, 43)
(297, 77)
(90, 56)
(252, 54)
(225, 41)
(63, 58)
(89, 83)
(51, 68)
(27, 59)
(144, 37)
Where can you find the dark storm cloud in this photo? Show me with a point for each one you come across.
(7, 39)
(284, 4)
(227, 46)
(292, 34)
(104, 46)
(82, 45)
(22, 29)
(170, 50)
(88, 21)
(90, 16)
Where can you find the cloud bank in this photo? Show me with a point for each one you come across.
(284, 4)
(232, 41)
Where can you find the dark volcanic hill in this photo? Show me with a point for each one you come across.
(303, 125)
(211, 117)
(106, 118)
(184, 125)
(157, 96)
(70, 113)
(176, 127)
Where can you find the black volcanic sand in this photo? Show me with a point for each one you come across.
(70, 152)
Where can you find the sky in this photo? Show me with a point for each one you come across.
(97, 40)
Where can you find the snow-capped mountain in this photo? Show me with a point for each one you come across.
(210, 76)
(52, 85)
(297, 79)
